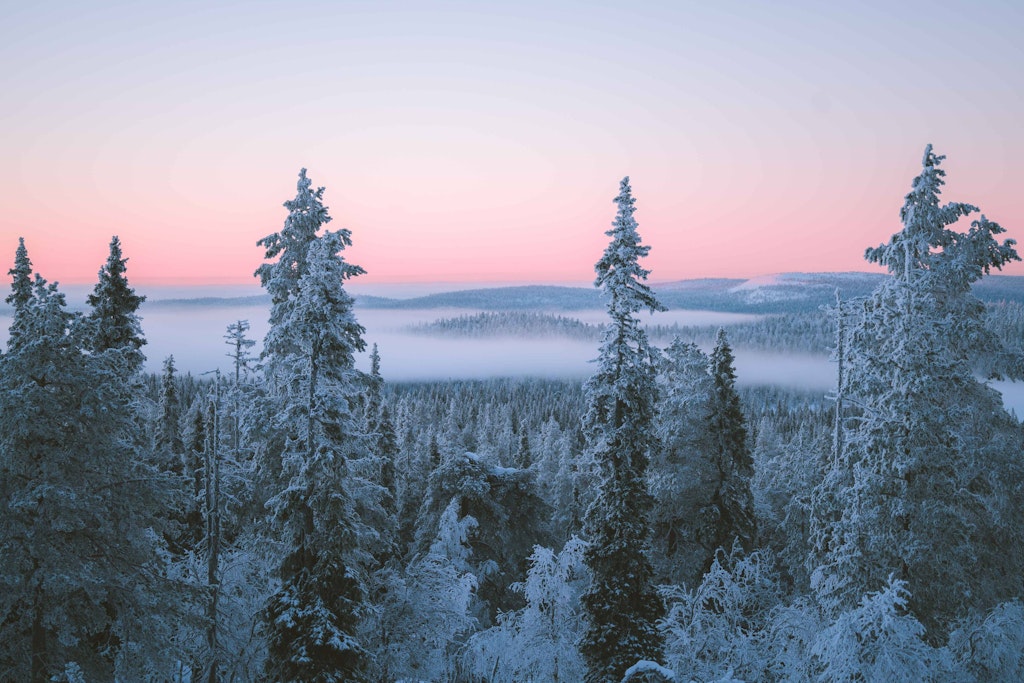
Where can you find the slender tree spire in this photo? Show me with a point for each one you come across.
(168, 436)
(21, 285)
(22, 288)
(312, 619)
(732, 455)
(621, 604)
(113, 322)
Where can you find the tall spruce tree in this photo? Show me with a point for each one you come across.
(114, 321)
(310, 356)
(81, 576)
(21, 293)
(621, 604)
(730, 453)
(925, 487)
(288, 249)
(168, 432)
(374, 387)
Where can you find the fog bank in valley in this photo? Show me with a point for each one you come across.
(194, 334)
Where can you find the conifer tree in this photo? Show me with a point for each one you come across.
(731, 455)
(195, 440)
(21, 292)
(168, 435)
(374, 386)
(925, 485)
(387, 451)
(240, 359)
(310, 357)
(290, 247)
(621, 604)
(113, 321)
(21, 274)
(523, 458)
(81, 572)
(683, 476)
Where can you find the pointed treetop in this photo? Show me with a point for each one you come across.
(306, 215)
(924, 219)
(375, 362)
(722, 359)
(619, 274)
(240, 345)
(927, 247)
(21, 285)
(114, 304)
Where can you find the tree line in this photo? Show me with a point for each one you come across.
(296, 519)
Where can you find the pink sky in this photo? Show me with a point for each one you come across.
(469, 142)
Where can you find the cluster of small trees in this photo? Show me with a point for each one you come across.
(299, 520)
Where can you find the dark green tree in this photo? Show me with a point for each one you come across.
(621, 604)
(82, 575)
(168, 433)
(309, 354)
(733, 503)
(21, 293)
(114, 321)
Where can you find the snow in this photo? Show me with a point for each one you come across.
(647, 667)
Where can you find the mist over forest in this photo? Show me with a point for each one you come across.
(797, 477)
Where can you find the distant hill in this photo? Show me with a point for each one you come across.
(522, 298)
(780, 293)
(212, 301)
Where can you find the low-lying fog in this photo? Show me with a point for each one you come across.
(194, 335)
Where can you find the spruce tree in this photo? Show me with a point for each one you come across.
(310, 358)
(621, 604)
(683, 476)
(374, 386)
(81, 572)
(113, 321)
(21, 293)
(288, 249)
(733, 502)
(168, 435)
(387, 450)
(925, 487)
(240, 359)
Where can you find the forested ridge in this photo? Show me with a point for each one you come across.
(296, 519)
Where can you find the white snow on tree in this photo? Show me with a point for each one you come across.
(538, 642)
(309, 355)
(621, 604)
(924, 484)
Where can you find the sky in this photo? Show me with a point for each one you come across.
(484, 141)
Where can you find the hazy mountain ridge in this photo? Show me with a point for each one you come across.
(778, 293)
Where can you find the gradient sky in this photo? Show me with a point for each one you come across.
(484, 141)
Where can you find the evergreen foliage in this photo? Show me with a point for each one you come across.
(621, 605)
(924, 487)
(683, 476)
(308, 522)
(21, 293)
(733, 501)
(82, 572)
(309, 353)
(113, 321)
(168, 435)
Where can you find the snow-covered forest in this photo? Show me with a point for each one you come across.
(298, 519)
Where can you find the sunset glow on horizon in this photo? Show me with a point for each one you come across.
(470, 142)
